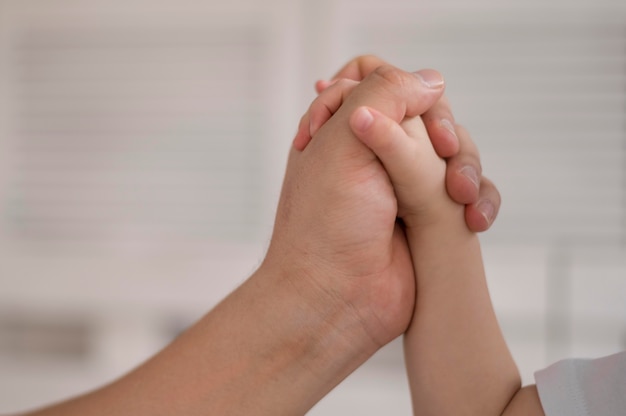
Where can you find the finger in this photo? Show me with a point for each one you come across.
(439, 123)
(357, 69)
(321, 85)
(480, 215)
(360, 67)
(464, 171)
(321, 110)
(396, 93)
(440, 116)
(302, 138)
(327, 103)
(387, 139)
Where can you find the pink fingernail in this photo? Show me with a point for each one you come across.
(446, 124)
(470, 173)
(363, 119)
(430, 78)
(487, 210)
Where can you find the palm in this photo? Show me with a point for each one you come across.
(338, 211)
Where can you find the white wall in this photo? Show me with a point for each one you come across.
(142, 146)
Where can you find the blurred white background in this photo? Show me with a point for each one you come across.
(142, 145)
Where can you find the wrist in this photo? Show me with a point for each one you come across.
(437, 244)
(435, 218)
(346, 297)
(315, 330)
(324, 310)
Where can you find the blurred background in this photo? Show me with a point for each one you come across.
(142, 146)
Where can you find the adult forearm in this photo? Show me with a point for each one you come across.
(264, 350)
(457, 360)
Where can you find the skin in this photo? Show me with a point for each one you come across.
(337, 283)
(464, 181)
(457, 360)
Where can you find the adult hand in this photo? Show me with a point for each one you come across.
(336, 284)
(335, 235)
(464, 180)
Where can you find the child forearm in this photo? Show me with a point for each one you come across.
(457, 360)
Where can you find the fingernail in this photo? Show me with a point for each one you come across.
(470, 173)
(363, 119)
(487, 210)
(430, 78)
(446, 124)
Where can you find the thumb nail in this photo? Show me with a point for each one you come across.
(430, 78)
(363, 119)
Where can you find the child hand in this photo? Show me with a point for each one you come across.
(416, 172)
(464, 180)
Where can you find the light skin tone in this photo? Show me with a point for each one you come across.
(457, 360)
(337, 284)
(464, 180)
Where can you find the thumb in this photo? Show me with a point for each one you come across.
(388, 140)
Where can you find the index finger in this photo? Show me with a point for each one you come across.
(357, 69)
(360, 67)
(397, 93)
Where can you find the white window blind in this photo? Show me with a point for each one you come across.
(157, 123)
(542, 90)
(134, 133)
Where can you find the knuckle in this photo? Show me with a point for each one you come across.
(344, 83)
(369, 56)
(392, 76)
(316, 113)
(366, 58)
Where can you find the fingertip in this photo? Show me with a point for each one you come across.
(460, 185)
(481, 215)
(320, 86)
(362, 119)
(303, 137)
(471, 174)
(475, 220)
(444, 144)
(301, 140)
(487, 210)
(441, 127)
(452, 145)
(431, 78)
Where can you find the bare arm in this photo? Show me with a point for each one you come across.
(329, 293)
(464, 180)
(457, 360)
(262, 351)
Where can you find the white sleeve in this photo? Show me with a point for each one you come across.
(578, 387)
